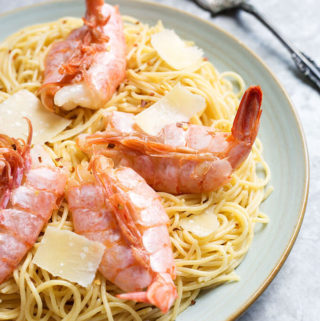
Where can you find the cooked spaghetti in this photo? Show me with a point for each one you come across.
(34, 294)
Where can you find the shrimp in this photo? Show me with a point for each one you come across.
(118, 208)
(183, 158)
(14, 160)
(86, 68)
(33, 187)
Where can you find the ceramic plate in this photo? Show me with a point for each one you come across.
(281, 134)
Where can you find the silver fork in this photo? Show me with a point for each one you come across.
(304, 63)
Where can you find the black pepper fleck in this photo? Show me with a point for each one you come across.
(111, 145)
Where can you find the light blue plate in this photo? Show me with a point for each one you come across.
(281, 133)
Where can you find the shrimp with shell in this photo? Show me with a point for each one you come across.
(86, 68)
(14, 160)
(117, 208)
(183, 158)
(31, 188)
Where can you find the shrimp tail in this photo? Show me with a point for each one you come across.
(245, 126)
(246, 123)
(93, 6)
(95, 15)
(161, 293)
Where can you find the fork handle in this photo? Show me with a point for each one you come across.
(305, 64)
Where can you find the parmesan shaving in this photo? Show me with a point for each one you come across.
(174, 51)
(179, 105)
(69, 256)
(46, 125)
(201, 225)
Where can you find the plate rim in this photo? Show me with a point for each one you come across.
(303, 204)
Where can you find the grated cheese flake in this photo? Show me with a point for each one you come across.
(179, 105)
(174, 51)
(68, 255)
(46, 124)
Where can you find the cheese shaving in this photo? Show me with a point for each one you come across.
(69, 256)
(46, 125)
(174, 51)
(201, 225)
(179, 105)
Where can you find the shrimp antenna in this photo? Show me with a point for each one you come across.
(29, 139)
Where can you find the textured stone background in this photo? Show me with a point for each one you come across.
(295, 292)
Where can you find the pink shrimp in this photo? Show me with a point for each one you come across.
(86, 68)
(33, 186)
(118, 208)
(184, 158)
(14, 160)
